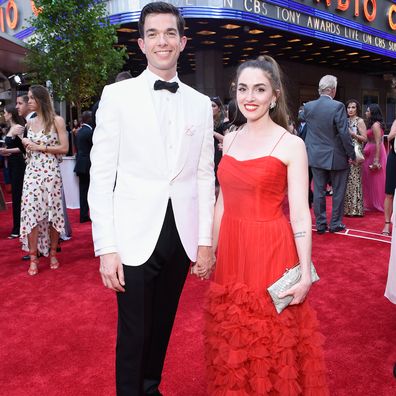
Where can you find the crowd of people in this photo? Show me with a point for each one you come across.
(370, 177)
(213, 196)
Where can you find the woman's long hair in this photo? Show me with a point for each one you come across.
(218, 119)
(15, 117)
(279, 114)
(46, 108)
(375, 116)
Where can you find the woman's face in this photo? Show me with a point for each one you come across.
(254, 93)
(7, 116)
(75, 123)
(215, 108)
(368, 113)
(32, 103)
(352, 109)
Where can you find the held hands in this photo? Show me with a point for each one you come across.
(298, 291)
(112, 272)
(205, 262)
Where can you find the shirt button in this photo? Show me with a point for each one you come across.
(169, 122)
(167, 99)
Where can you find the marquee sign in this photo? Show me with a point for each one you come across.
(369, 25)
(379, 14)
(13, 14)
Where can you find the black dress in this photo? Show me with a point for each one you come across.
(221, 128)
(16, 166)
(390, 181)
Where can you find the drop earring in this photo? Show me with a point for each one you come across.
(272, 105)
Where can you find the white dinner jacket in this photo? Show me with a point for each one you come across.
(130, 182)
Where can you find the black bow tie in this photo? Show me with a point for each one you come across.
(171, 87)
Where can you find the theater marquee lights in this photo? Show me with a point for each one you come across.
(383, 11)
(10, 15)
(369, 25)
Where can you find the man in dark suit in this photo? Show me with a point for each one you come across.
(329, 147)
(302, 133)
(83, 163)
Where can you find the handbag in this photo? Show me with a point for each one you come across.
(358, 152)
(291, 277)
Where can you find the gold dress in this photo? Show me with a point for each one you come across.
(353, 202)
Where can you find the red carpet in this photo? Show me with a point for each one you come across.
(58, 328)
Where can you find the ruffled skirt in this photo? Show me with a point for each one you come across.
(251, 350)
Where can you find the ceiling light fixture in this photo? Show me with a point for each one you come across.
(206, 33)
(256, 31)
(126, 30)
(230, 26)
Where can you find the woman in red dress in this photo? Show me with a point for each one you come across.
(250, 348)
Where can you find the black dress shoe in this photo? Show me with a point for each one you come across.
(340, 227)
(321, 231)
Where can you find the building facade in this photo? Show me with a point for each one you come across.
(354, 40)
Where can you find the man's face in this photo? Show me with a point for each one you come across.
(162, 44)
(22, 107)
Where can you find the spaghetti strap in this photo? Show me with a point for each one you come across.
(232, 141)
(270, 154)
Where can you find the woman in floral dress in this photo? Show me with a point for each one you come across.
(42, 217)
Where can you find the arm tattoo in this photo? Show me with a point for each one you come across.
(300, 234)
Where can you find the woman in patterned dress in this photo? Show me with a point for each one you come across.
(353, 203)
(42, 217)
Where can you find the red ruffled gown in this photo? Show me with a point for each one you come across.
(251, 349)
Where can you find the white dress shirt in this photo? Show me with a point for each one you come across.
(167, 107)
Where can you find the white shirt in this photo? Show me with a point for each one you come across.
(166, 105)
(29, 116)
(89, 126)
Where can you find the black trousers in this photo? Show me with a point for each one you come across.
(84, 186)
(17, 172)
(146, 312)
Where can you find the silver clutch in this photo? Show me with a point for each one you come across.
(288, 279)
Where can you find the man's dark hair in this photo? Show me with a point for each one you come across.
(86, 117)
(24, 97)
(160, 7)
(124, 75)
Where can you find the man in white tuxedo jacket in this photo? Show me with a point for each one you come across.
(151, 197)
